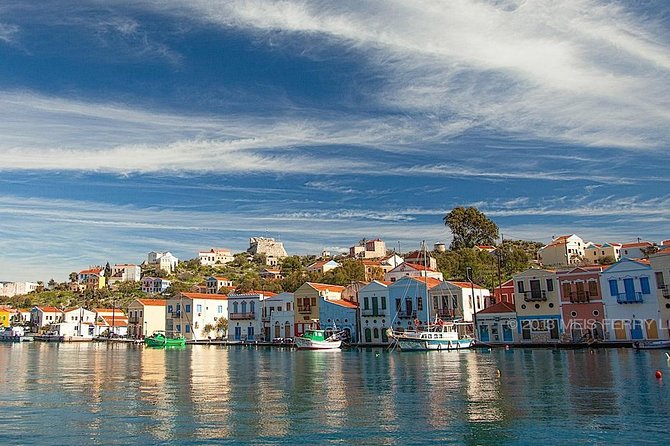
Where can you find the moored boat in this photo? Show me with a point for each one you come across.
(159, 339)
(317, 340)
(14, 334)
(652, 345)
(442, 336)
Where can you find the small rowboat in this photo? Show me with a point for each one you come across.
(652, 345)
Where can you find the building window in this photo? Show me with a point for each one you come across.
(169, 309)
(366, 303)
(187, 308)
(419, 303)
(644, 284)
(614, 288)
(188, 328)
(252, 307)
(375, 333)
(593, 289)
(235, 306)
(660, 282)
(550, 285)
(219, 309)
(177, 328)
(383, 299)
(198, 308)
(519, 286)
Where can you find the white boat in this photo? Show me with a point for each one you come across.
(435, 337)
(14, 334)
(652, 345)
(317, 340)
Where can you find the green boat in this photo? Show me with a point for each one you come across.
(159, 339)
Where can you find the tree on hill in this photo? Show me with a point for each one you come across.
(470, 227)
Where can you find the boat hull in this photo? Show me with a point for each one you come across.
(652, 345)
(309, 344)
(164, 342)
(414, 344)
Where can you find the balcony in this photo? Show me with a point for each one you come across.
(175, 314)
(629, 298)
(579, 298)
(372, 312)
(534, 296)
(305, 309)
(407, 315)
(241, 316)
(133, 320)
(444, 313)
(665, 290)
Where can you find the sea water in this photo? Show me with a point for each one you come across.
(105, 394)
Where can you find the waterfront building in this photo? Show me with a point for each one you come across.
(245, 316)
(375, 313)
(189, 314)
(352, 289)
(631, 308)
(337, 315)
(411, 270)
(218, 285)
(79, 315)
(165, 260)
(42, 316)
(278, 316)
(323, 266)
(368, 249)
(111, 321)
(594, 252)
(563, 250)
(505, 292)
(20, 316)
(408, 301)
(155, 285)
(660, 264)
(457, 300)
(635, 250)
(582, 305)
(497, 324)
(307, 304)
(215, 256)
(146, 316)
(538, 306)
(5, 316)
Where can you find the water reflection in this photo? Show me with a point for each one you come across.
(117, 394)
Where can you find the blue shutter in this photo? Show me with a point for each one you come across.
(644, 283)
(614, 288)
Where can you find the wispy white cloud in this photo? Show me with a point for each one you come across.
(587, 71)
(8, 32)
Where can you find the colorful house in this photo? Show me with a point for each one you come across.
(218, 285)
(505, 292)
(457, 300)
(278, 316)
(660, 264)
(538, 306)
(582, 306)
(409, 301)
(245, 316)
(632, 310)
(497, 324)
(339, 315)
(411, 270)
(375, 313)
(155, 285)
(5, 315)
(190, 313)
(563, 250)
(43, 316)
(307, 304)
(145, 316)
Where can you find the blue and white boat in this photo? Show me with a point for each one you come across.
(442, 336)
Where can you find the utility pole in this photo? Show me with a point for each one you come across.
(468, 271)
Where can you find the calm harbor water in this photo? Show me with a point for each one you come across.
(89, 394)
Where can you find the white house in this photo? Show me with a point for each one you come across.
(279, 316)
(43, 316)
(631, 304)
(660, 264)
(145, 316)
(111, 321)
(189, 313)
(126, 272)
(79, 314)
(10, 289)
(165, 260)
(563, 250)
(411, 270)
(497, 324)
(322, 266)
(368, 249)
(218, 285)
(375, 313)
(215, 256)
(454, 300)
(155, 285)
(245, 316)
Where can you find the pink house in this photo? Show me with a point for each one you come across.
(504, 292)
(582, 306)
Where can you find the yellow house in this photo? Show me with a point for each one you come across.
(306, 303)
(4, 317)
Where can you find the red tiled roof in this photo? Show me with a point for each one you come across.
(326, 287)
(91, 271)
(153, 302)
(431, 281)
(344, 303)
(418, 267)
(50, 309)
(205, 296)
(466, 285)
(637, 245)
(500, 307)
(118, 321)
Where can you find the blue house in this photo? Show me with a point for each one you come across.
(408, 301)
(339, 314)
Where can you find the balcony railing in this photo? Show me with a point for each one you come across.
(241, 316)
(305, 309)
(532, 296)
(133, 320)
(629, 298)
(577, 298)
(372, 312)
(444, 312)
(407, 315)
(176, 314)
(665, 290)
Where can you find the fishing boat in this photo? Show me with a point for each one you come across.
(14, 334)
(318, 340)
(439, 336)
(652, 345)
(159, 339)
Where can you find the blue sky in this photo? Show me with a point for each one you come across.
(131, 126)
